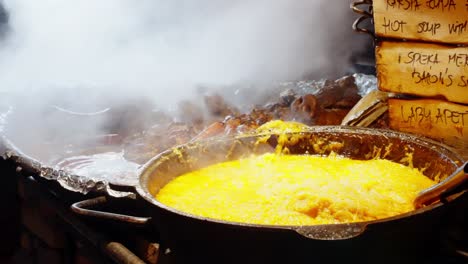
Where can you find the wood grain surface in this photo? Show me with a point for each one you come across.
(423, 69)
(427, 20)
(440, 120)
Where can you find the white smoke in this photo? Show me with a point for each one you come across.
(74, 52)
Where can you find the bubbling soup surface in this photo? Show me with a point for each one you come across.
(277, 189)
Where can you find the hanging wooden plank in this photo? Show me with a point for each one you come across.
(427, 20)
(423, 69)
(443, 121)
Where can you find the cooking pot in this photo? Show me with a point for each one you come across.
(410, 237)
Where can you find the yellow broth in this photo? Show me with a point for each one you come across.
(276, 189)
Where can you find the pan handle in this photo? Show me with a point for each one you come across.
(82, 208)
(455, 183)
(332, 232)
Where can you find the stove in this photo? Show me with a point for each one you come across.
(45, 230)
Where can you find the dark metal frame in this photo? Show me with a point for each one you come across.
(365, 14)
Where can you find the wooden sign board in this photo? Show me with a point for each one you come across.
(443, 121)
(427, 20)
(423, 69)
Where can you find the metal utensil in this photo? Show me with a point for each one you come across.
(444, 188)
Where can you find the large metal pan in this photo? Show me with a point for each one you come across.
(405, 238)
(41, 146)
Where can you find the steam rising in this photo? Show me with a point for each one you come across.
(86, 54)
